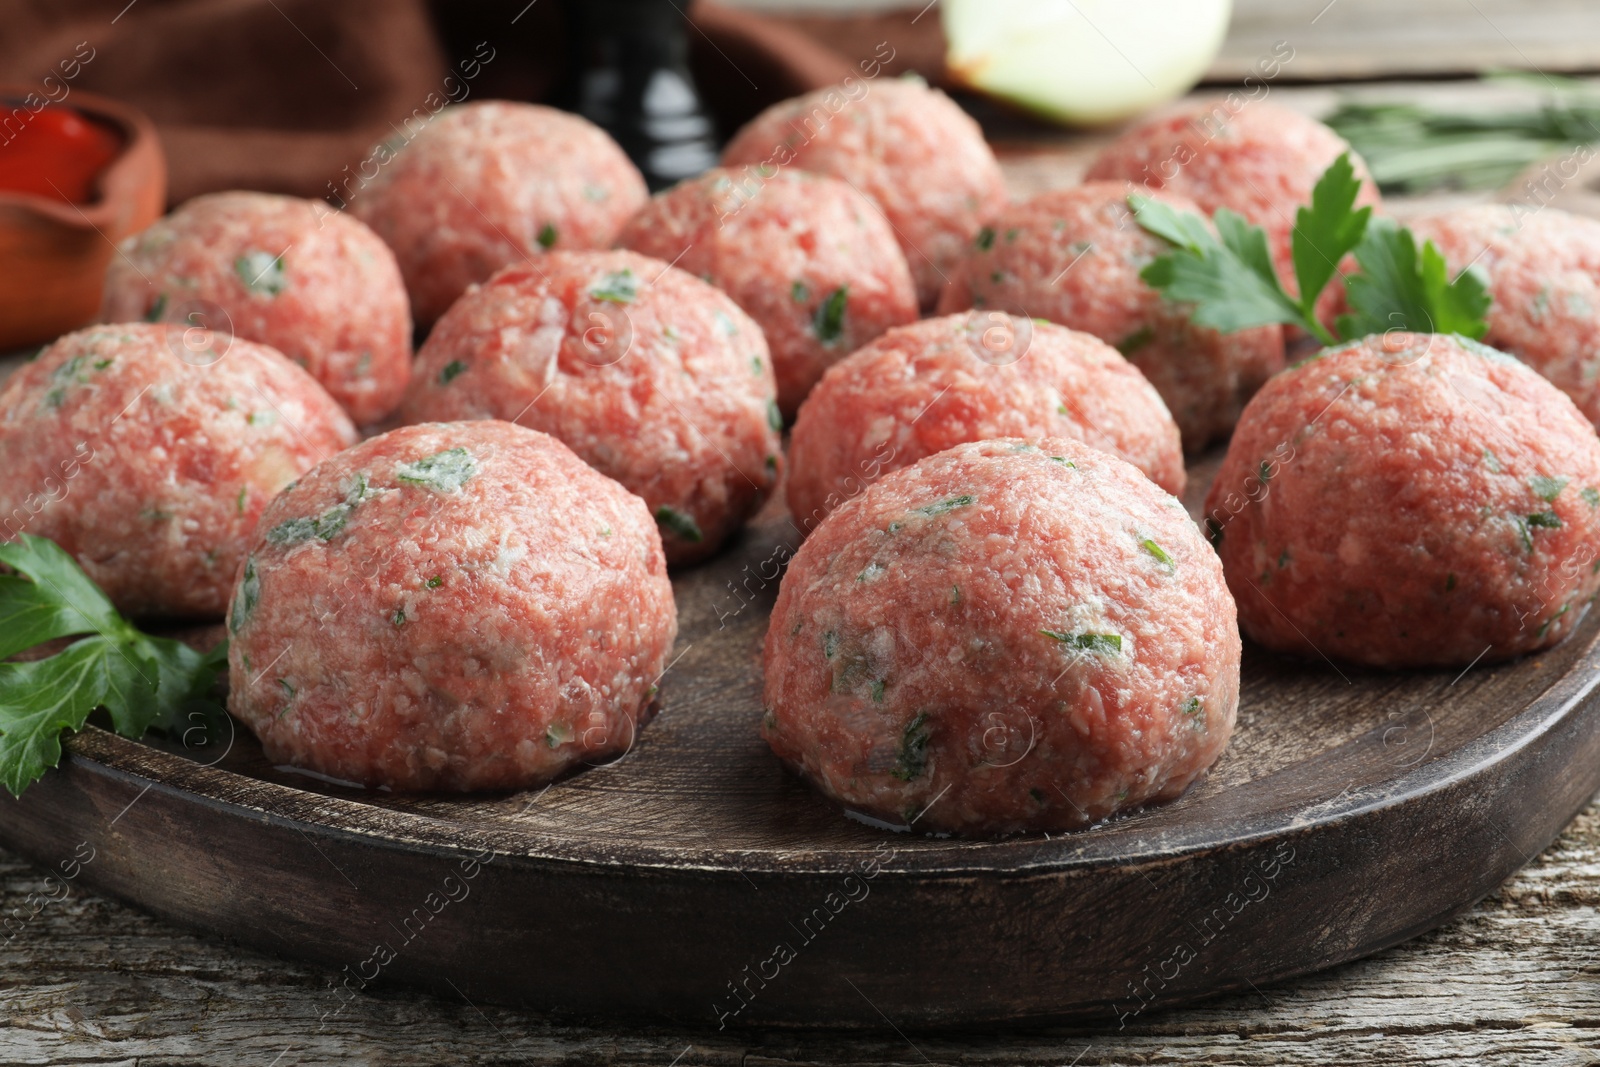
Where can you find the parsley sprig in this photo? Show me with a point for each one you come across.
(141, 681)
(1230, 280)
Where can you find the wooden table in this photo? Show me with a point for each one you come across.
(1515, 982)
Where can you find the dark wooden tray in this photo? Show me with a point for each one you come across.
(695, 881)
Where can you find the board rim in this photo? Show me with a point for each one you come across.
(97, 751)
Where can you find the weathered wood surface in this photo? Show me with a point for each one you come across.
(1516, 982)
(1338, 39)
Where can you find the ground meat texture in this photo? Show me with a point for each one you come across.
(908, 147)
(1006, 636)
(1544, 273)
(316, 285)
(1258, 159)
(451, 607)
(1409, 501)
(492, 183)
(651, 375)
(808, 257)
(152, 469)
(1074, 256)
(924, 388)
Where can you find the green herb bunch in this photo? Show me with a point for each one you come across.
(1230, 280)
(141, 681)
(1414, 149)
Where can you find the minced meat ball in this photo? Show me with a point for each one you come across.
(923, 388)
(1006, 636)
(315, 284)
(149, 451)
(450, 607)
(908, 147)
(1544, 274)
(808, 257)
(1409, 500)
(492, 183)
(651, 375)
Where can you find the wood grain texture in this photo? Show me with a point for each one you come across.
(1514, 983)
(1367, 39)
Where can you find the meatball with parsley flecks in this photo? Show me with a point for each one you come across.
(926, 387)
(1544, 274)
(910, 148)
(808, 257)
(315, 284)
(1006, 636)
(492, 183)
(455, 607)
(1409, 500)
(149, 451)
(652, 376)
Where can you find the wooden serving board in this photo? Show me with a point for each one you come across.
(696, 881)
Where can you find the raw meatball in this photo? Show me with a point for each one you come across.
(1005, 636)
(488, 184)
(457, 607)
(1544, 273)
(648, 373)
(808, 257)
(942, 382)
(1260, 160)
(1074, 256)
(908, 147)
(149, 452)
(316, 285)
(1413, 500)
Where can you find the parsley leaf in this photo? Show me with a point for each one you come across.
(1158, 552)
(261, 272)
(618, 287)
(1327, 231)
(1230, 280)
(1108, 644)
(40, 700)
(912, 759)
(1231, 283)
(442, 472)
(1546, 488)
(943, 506)
(679, 523)
(828, 322)
(1398, 290)
(141, 681)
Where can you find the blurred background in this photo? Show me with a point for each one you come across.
(283, 94)
(1449, 101)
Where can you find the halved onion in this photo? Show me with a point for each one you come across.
(1084, 62)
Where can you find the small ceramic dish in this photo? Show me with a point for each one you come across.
(53, 253)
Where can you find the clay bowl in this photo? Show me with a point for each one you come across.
(53, 254)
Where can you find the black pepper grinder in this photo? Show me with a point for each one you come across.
(630, 77)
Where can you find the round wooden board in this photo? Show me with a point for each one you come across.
(695, 881)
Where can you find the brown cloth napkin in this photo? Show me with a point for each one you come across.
(282, 95)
